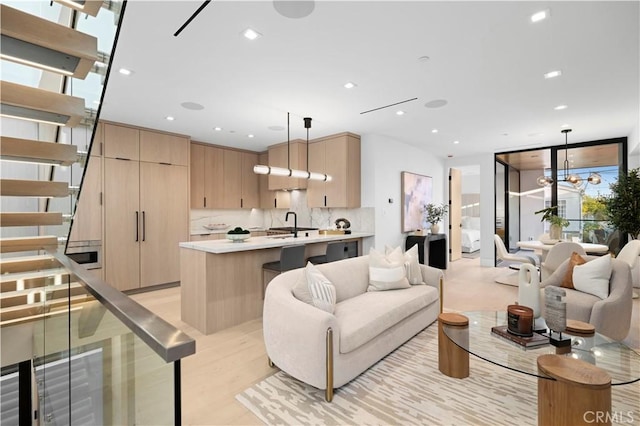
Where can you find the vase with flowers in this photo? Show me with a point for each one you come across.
(434, 213)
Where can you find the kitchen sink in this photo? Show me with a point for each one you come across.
(291, 228)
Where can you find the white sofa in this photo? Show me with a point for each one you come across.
(328, 350)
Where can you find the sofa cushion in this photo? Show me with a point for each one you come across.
(580, 305)
(364, 317)
(314, 288)
(387, 272)
(411, 263)
(349, 276)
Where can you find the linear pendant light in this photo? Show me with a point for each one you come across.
(262, 169)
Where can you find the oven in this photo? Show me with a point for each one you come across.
(86, 253)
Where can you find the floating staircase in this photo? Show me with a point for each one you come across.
(32, 282)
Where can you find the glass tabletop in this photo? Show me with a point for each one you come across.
(621, 362)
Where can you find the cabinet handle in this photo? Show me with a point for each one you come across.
(275, 203)
(325, 201)
(205, 201)
(137, 227)
(123, 159)
(144, 227)
(241, 202)
(165, 164)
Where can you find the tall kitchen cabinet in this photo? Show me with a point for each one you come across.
(338, 156)
(145, 204)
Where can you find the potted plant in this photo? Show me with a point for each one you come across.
(550, 214)
(623, 205)
(434, 214)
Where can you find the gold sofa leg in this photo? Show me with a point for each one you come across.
(329, 391)
(441, 293)
(271, 364)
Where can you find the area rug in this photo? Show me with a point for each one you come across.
(406, 388)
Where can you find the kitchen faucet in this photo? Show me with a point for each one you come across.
(295, 223)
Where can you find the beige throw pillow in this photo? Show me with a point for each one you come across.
(315, 289)
(411, 263)
(387, 272)
(593, 277)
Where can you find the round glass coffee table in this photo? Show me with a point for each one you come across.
(619, 361)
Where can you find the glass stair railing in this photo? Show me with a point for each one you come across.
(73, 348)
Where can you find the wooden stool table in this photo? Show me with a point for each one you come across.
(579, 328)
(453, 360)
(575, 390)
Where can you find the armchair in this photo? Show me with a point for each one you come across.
(610, 316)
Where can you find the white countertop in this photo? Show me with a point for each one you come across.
(257, 243)
(221, 231)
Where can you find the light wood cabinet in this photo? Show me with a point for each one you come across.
(121, 142)
(122, 219)
(339, 157)
(164, 218)
(223, 178)
(145, 207)
(87, 221)
(281, 156)
(163, 148)
(207, 175)
(271, 199)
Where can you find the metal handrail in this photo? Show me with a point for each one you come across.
(167, 341)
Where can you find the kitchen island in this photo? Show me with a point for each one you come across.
(221, 281)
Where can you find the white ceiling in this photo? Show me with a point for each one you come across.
(486, 59)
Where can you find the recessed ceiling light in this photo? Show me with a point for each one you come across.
(217, 129)
(169, 118)
(456, 142)
(251, 34)
(400, 112)
(125, 71)
(349, 85)
(434, 130)
(553, 74)
(540, 16)
(564, 126)
(560, 107)
(249, 136)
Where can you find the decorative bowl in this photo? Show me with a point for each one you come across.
(215, 226)
(238, 238)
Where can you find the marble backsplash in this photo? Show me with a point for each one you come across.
(362, 219)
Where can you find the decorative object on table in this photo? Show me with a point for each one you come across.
(550, 214)
(238, 235)
(215, 226)
(556, 318)
(623, 205)
(434, 213)
(529, 294)
(343, 224)
(526, 342)
(520, 320)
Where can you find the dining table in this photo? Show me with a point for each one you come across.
(543, 247)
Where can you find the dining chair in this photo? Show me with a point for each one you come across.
(502, 253)
(558, 254)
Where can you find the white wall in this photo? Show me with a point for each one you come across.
(633, 145)
(532, 201)
(383, 159)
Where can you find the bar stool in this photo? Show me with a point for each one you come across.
(335, 251)
(291, 257)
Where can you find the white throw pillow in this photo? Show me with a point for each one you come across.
(387, 272)
(411, 263)
(593, 277)
(315, 289)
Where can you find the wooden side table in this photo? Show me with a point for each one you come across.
(453, 360)
(580, 391)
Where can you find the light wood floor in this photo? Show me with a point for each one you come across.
(232, 360)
